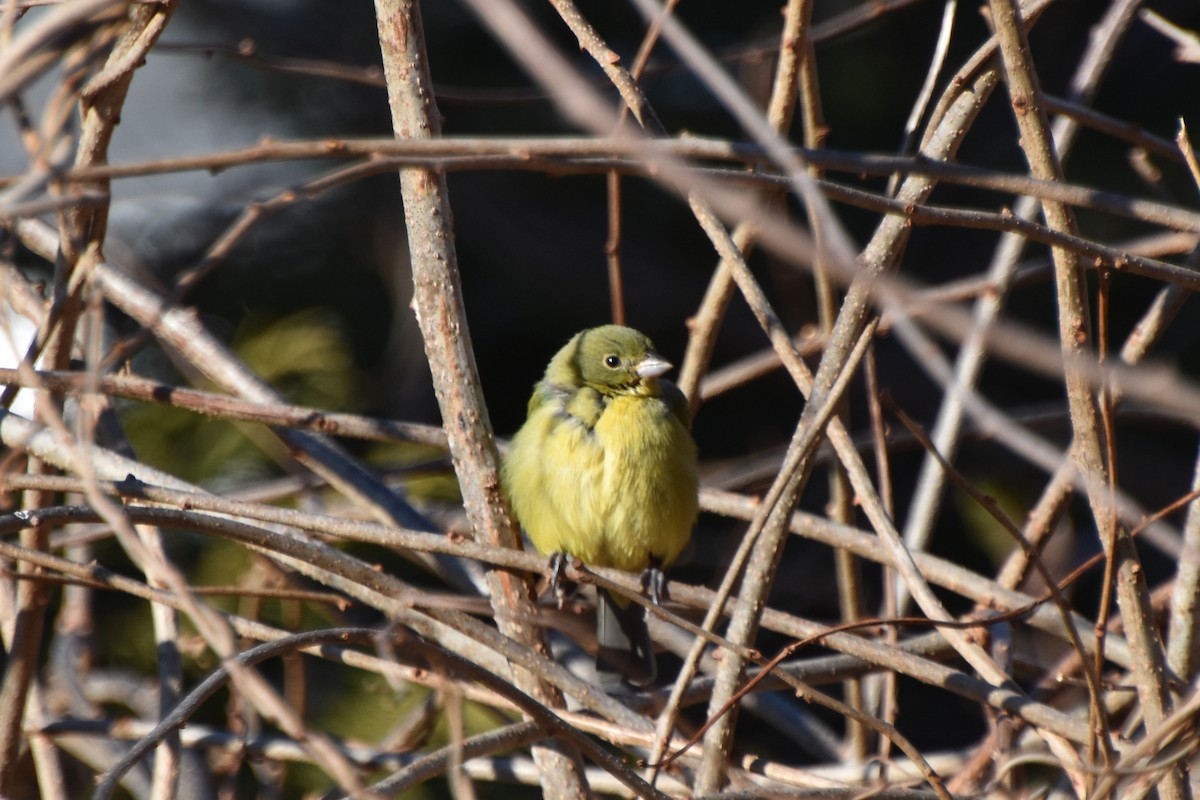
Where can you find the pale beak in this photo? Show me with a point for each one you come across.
(652, 366)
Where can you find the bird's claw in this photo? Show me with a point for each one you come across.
(654, 584)
(558, 588)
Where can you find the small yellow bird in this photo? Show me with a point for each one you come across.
(604, 470)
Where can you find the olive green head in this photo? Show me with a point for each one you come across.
(615, 359)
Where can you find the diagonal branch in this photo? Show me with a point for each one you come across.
(437, 300)
(1074, 334)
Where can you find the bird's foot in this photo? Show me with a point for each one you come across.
(654, 583)
(560, 587)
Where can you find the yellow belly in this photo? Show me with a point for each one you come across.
(617, 495)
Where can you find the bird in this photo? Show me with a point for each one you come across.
(604, 470)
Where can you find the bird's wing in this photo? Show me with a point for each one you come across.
(677, 401)
(547, 392)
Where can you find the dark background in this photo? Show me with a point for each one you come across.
(329, 272)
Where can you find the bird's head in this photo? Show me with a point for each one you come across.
(613, 359)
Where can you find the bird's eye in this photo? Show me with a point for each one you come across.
(612, 362)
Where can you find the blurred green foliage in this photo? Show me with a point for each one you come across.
(304, 355)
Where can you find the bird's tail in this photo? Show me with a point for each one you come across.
(624, 650)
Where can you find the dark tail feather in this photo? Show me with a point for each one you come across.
(624, 643)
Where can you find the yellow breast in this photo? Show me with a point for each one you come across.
(617, 494)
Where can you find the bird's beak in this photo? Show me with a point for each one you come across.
(652, 366)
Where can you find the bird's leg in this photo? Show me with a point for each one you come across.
(654, 582)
